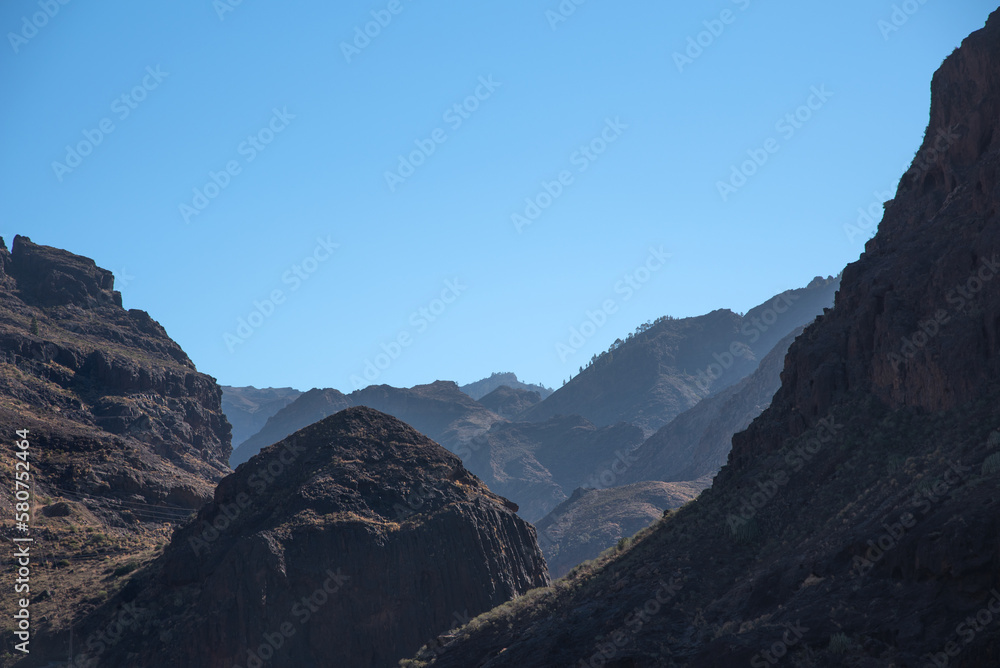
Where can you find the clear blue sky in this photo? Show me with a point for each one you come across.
(554, 87)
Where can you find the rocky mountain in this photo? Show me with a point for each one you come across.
(309, 407)
(249, 408)
(116, 410)
(593, 520)
(697, 442)
(667, 367)
(481, 388)
(350, 543)
(508, 402)
(538, 464)
(856, 521)
(438, 409)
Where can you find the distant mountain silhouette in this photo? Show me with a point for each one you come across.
(509, 402)
(248, 408)
(439, 410)
(481, 388)
(668, 367)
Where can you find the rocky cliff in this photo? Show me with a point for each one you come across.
(350, 543)
(856, 521)
(116, 410)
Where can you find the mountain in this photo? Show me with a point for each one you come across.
(593, 520)
(248, 408)
(509, 402)
(439, 409)
(538, 464)
(308, 407)
(481, 388)
(855, 522)
(116, 411)
(697, 442)
(667, 367)
(350, 543)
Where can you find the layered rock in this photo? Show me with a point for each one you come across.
(350, 543)
(116, 409)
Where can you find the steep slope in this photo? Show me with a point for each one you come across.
(856, 521)
(668, 367)
(348, 544)
(481, 388)
(508, 402)
(697, 442)
(249, 408)
(309, 407)
(593, 520)
(537, 464)
(115, 408)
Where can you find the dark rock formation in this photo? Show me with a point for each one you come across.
(856, 521)
(249, 408)
(508, 402)
(350, 543)
(669, 366)
(116, 409)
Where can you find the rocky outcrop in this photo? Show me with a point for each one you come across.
(249, 408)
(350, 543)
(668, 366)
(117, 410)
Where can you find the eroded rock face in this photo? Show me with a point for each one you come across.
(116, 408)
(386, 535)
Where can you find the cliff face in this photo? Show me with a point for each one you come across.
(350, 543)
(116, 408)
(856, 521)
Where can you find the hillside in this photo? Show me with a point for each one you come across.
(481, 388)
(855, 522)
(350, 543)
(669, 366)
(249, 408)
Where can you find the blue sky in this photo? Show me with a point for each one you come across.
(237, 158)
